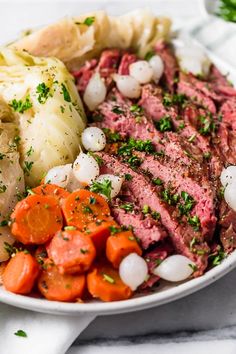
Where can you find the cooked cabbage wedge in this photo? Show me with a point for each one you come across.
(47, 110)
(74, 40)
(11, 174)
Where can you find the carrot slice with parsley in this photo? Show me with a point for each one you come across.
(99, 232)
(119, 245)
(36, 219)
(20, 273)
(71, 251)
(83, 207)
(51, 189)
(104, 282)
(60, 287)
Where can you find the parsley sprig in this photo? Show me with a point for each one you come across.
(102, 187)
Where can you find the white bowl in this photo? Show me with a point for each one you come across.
(165, 293)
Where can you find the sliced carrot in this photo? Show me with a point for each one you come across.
(71, 251)
(20, 273)
(104, 282)
(60, 287)
(83, 207)
(51, 189)
(120, 245)
(36, 219)
(99, 233)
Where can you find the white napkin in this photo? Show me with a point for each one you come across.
(46, 334)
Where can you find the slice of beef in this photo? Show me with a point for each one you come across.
(227, 222)
(145, 228)
(226, 141)
(202, 193)
(109, 62)
(170, 63)
(154, 258)
(220, 83)
(181, 234)
(84, 74)
(152, 102)
(195, 95)
(125, 62)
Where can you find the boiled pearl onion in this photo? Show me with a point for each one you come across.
(59, 175)
(116, 183)
(158, 67)
(230, 195)
(5, 236)
(141, 71)
(93, 139)
(128, 86)
(95, 92)
(133, 270)
(85, 168)
(228, 175)
(175, 268)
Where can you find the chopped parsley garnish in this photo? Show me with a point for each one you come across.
(4, 223)
(92, 200)
(98, 159)
(157, 181)
(188, 204)
(192, 138)
(207, 155)
(65, 93)
(128, 177)
(62, 109)
(44, 91)
(194, 222)
(108, 278)
(135, 108)
(30, 151)
(138, 145)
(171, 199)
(207, 125)
(2, 156)
(193, 267)
(156, 215)
(83, 251)
(169, 100)
(146, 209)
(134, 161)
(112, 137)
(129, 207)
(27, 167)
(114, 230)
(216, 258)
(103, 187)
(70, 228)
(20, 333)
(89, 21)
(3, 188)
(149, 55)
(117, 110)
(21, 106)
(192, 243)
(87, 210)
(227, 10)
(164, 124)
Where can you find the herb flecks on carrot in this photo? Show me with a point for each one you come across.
(36, 219)
(71, 251)
(83, 207)
(120, 245)
(51, 189)
(104, 282)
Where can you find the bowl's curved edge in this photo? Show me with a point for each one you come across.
(139, 303)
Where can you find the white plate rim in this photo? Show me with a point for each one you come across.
(137, 303)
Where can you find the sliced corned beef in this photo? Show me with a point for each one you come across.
(181, 234)
(170, 63)
(226, 141)
(145, 227)
(108, 62)
(220, 83)
(227, 220)
(151, 102)
(125, 62)
(84, 74)
(195, 95)
(202, 193)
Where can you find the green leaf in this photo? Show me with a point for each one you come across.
(21, 106)
(104, 187)
(65, 93)
(20, 333)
